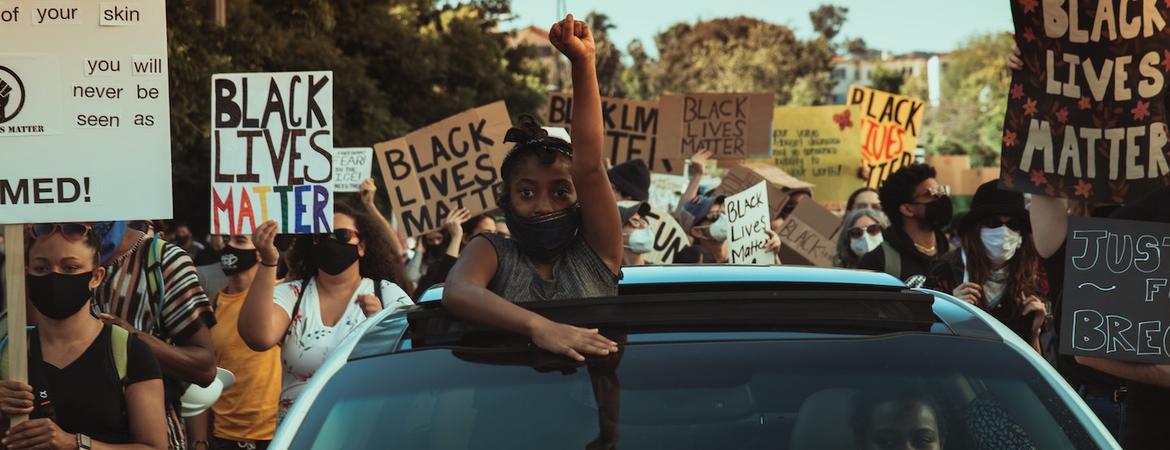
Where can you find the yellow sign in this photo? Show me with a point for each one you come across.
(819, 144)
(890, 125)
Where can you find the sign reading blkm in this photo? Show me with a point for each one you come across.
(272, 152)
(631, 129)
(1117, 290)
(84, 111)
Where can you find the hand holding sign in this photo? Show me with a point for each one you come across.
(573, 38)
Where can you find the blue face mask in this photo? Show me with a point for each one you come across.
(111, 234)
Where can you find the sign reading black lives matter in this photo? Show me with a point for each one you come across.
(272, 152)
(84, 111)
(1086, 117)
(1117, 290)
(445, 166)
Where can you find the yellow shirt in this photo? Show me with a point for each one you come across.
(247, 410)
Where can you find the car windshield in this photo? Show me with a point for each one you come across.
(900, 391)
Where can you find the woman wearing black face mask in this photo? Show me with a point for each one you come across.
(344, 277)
(549, 187)
(98, 386)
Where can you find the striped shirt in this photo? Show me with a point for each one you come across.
(125, 293)
(181, 311)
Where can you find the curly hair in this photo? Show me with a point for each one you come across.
(532, 142)
(379, 262)
(899, 188)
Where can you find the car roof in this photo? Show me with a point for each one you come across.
(681, 299)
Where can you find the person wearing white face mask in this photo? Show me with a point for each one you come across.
(997, 268)
(638, 240)
(861, 233)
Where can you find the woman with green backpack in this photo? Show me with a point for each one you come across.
(96, 386)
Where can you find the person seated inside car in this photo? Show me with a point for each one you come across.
(888, 420)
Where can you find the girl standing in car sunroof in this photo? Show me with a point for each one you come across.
(567, 236)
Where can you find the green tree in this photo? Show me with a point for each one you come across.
(827, 20)
(609, 58)
(636, 77)
(397, 64)
(975, 85)
(886, 79)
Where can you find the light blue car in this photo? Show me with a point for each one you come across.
(712, 357)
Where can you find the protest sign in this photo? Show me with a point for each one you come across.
(351, 166)
(808, 236)
(1117, 291)
(819, 144)
(669, 237)
(746, 175)
(631, 129)
(733, 126)
(748, 222)
(445, 166)
(1086, 116)
(84, 112)
(272, 152)
(890, 125)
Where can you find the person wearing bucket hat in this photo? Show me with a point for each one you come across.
(996, 268)
(630, 180)
(637, 239)
(707, 226)
(97, 385)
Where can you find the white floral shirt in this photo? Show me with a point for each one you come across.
(309, 341)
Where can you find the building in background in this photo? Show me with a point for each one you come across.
(849, 70)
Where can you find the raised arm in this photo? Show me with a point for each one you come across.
(466, 295)
(262, 322)
(603, 230)
(368, 189)
(697, 162)
(1050, 219)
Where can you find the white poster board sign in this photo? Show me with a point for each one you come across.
(351, 166)
(747, 215)
(272, 152)
(84, 111)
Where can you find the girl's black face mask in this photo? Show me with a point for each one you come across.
(59, 296)
(545, 237)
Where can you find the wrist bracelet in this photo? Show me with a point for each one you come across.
(262, 263)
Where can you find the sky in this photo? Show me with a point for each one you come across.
(900, 26)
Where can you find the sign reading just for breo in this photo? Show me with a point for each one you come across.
(1117, 290)
(1086, 117)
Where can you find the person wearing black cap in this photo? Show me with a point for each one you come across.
(996, 267)
(918, 208)
(630, 180)
(704, 222)
(636, 236)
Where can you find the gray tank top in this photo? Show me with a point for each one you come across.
(578, 273)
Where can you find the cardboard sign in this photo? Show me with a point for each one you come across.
(749, 223)
(809, 236)
(631, 129)
(444, 166)
(819, 144)
(890, 125)
(1086, 116)
(1117, 290)
(84, 112)
(745, 175)
(733, 126)
(669, 236)
(351, 167)
(272, 152)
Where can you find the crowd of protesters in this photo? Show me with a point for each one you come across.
(269, 311)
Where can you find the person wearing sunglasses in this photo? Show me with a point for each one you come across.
(997, 267)
(341, 278)
(861, 234)
(84, 398)
(919, 208)
(567, 234)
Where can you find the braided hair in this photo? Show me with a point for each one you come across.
(532, 142)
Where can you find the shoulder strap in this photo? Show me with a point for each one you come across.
(154, 278)
(297, 306)
(120, 347)
(378, 291)
(893, 260)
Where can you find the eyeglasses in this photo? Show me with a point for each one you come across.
(338, 234)
(638, 222)
(1013, 223)
(872, 230)
(71, 231)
